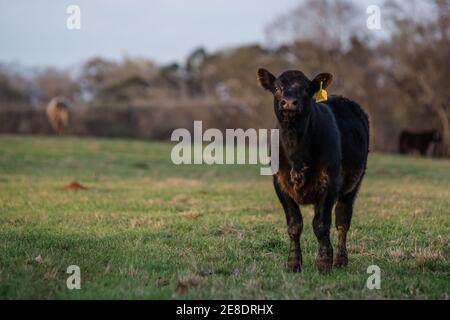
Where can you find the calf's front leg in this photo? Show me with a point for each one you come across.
(295, 226)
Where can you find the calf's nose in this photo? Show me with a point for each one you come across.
(289, 104)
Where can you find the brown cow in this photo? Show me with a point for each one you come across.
(58, 114)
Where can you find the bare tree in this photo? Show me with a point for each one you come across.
(328, 23)
(421, 49)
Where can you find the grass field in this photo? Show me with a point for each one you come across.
(149, 229)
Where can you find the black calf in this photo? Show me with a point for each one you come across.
(323, 156)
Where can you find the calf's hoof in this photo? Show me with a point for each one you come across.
(324, 266)
(324, 263)
(293, 266)
(294, 263)
(340, 259)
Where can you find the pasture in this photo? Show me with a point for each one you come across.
(148, 229)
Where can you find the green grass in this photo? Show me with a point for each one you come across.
(145, 225)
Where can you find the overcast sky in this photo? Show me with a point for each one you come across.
(34, 33)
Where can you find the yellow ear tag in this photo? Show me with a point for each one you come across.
(321, 95)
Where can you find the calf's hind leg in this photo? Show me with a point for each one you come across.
(295, 226)
(343, 212)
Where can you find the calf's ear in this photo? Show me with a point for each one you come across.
(325, 78)
(265, 79)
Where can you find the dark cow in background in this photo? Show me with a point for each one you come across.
(417, 141)
(323, 157)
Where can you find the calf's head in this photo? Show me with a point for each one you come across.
(293, 92)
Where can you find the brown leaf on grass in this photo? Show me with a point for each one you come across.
(75, 185)
(189, 282)
(182, 288)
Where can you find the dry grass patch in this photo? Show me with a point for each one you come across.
(191, 214)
